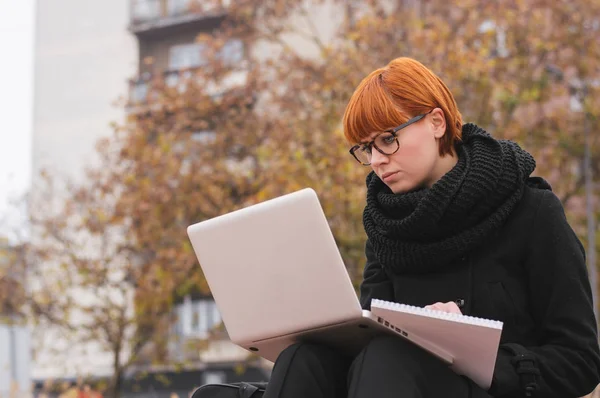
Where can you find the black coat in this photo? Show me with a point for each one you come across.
(532, 276)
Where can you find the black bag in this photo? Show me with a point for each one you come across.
(231, 390)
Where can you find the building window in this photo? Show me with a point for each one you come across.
(145, 10)
(139, 91)
(192, 55)
(214, 377)
(197, 317)
(195, 322)
(178, 7)
(232, 52)
(178, 79)
(184, 56)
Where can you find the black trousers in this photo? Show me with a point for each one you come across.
(388, 367)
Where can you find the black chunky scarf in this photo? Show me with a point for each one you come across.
(424, 230)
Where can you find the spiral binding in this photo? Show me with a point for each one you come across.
(448, 316)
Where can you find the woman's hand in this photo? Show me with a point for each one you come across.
(445, 307)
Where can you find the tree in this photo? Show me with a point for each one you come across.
(80, 278)
(12, 295)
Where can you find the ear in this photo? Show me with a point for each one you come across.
(438, 123)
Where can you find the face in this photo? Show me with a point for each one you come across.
(417, 163)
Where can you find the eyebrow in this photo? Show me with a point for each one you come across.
(379, 133)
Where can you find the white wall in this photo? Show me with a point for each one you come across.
(15, 364)
(84, 56)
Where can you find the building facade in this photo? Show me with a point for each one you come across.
(166, 32)
(84, 56)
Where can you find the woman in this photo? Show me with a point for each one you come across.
(454, 222)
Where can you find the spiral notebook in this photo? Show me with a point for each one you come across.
(471, 342)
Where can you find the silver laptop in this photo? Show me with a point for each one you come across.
(277, 277)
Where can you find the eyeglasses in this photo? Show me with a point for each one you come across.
(385, 142)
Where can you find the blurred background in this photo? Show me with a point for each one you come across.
(125, 121)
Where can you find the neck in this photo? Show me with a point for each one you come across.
(443, 166)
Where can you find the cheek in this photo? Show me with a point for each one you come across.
(416, 156)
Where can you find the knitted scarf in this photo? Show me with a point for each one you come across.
(426, 229)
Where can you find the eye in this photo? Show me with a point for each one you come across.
(388, 139)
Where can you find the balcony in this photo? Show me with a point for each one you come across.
(144, 91)
(185, 61)
(148, 16)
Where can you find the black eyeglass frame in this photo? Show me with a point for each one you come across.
(393, 131)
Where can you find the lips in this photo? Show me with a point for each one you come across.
(385, 176)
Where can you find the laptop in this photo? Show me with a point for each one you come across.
(277, 277)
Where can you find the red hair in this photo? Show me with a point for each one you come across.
(391, 95)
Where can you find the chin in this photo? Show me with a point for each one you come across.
(400, 188)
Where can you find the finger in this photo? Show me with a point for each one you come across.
(436, 306)
(452, 308)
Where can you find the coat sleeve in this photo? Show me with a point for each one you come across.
(567, 357)
(375, 283)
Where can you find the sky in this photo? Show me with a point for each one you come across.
(16, 100)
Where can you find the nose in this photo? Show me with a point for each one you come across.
(378, 158)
